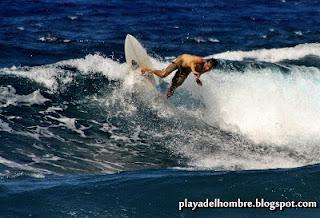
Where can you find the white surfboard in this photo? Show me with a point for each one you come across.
(136, 58)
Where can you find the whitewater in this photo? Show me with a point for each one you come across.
(255, 111)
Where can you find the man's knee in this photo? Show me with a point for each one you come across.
(172, 67)
(164, 74)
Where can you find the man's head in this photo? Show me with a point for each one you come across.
(210, 64)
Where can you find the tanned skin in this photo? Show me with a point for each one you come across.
(184, 64)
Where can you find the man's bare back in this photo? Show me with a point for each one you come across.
(184, 64)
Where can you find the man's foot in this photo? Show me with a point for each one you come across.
(145, 70)
(170, 92)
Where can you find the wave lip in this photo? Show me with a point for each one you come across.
(273, 55)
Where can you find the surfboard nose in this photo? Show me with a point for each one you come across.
(129, 36)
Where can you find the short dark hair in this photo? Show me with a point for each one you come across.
(213, 61)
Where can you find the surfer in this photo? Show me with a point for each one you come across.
(184, 64)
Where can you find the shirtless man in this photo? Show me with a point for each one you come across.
(184, 64)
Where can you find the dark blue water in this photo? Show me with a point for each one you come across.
(79, 138)
(152, 193)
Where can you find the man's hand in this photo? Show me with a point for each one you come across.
(197, 74)
(199, 82)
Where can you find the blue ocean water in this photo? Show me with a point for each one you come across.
(79, 138)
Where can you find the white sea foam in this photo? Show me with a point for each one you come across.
(8, 97)
(97, 63)
(70, 17)
(52, 109)
(45, 75)
(272, 55)
(213, 39)
(5, 127)
(265, 105)
(299, 33)
(52, 75)
(70, 123)
(249, 161)
(202, 40)
(48, 38)
(39, 173)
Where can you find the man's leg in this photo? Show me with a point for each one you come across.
(177, 81)
(162, 73)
